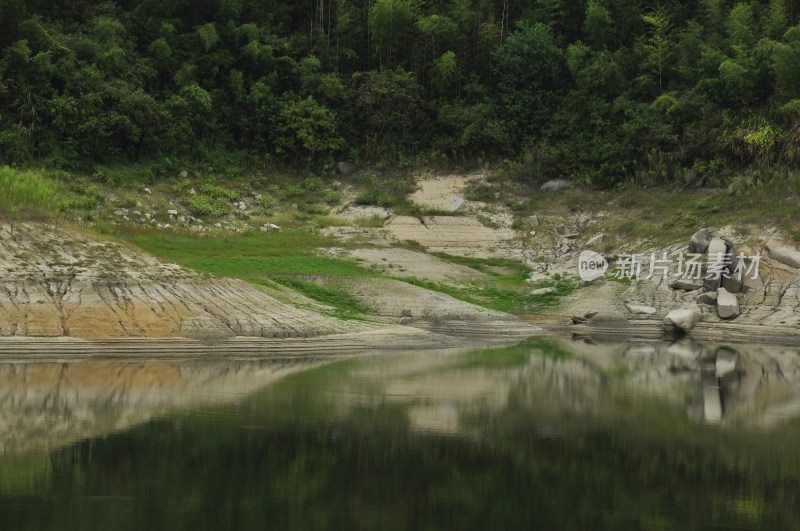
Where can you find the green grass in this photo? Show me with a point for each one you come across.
(345, 306)
(503, 297)
(26, 195)
(259, 258)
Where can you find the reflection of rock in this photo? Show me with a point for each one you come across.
(45, 405)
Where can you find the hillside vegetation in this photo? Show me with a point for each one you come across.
(604, 91)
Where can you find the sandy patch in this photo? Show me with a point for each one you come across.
(406, 263)
(461, 236)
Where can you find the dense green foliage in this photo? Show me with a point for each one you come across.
(604, 91)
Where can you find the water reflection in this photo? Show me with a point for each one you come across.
(549, 434)
(47, 405)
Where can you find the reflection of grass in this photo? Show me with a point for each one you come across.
(516, 355)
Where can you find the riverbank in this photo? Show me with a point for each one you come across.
(465, 257)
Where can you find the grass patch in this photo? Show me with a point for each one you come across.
(345, 305)
(26, 195)
(504, 297)
(331, 221)
(373, 222)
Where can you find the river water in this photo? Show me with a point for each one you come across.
(549, 434)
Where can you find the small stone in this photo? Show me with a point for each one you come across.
(192, 191)
(406, 320)
(639, 308)
(532, 233)
(727, 304)
(565, 249)
(172, 213)
(147, 191)
(148, 215)
(543, 291)
(181, 219)
(184, 174)
(137, 213)
(218, 225)
(166, 225)
(709, 297)
(528, 254)
(596, 240)
(687, 284)
(555, 185)
(684, 320)
(457, 203)
(531, 221)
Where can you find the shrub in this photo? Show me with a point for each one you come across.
(219, 192)
(200, 205)
(314, 184)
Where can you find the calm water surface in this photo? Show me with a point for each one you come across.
(549, 434)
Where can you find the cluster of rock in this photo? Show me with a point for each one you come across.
(723, 275)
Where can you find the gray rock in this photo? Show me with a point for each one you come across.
(687, 284)
(555, 185)
(596, 240)
(172, 213)
(608, 320)
(565, 249)
(733, 282)
(640, 308)
(543, 291)
(716, 251)
(344, 168)
(751, 281)
(709, 297)
(683, 320)
(783, 253)
(727, 304)
(528, 254)
(457, 203)
(531, 221)
(701, 240)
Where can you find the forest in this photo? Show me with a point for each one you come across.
(602, 92)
